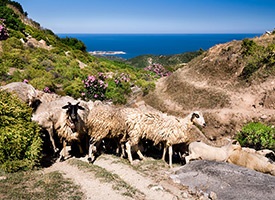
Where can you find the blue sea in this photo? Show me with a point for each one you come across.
(132, 45)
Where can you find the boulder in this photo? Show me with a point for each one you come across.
(226, 180)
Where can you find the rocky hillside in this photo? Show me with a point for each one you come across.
(232, 83)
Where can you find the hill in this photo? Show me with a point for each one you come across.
(62, 65)
(232, 83)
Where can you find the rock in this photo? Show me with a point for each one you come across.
(226, 180)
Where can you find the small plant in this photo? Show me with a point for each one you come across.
(257, 135)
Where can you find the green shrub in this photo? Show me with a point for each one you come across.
(257, 135)
(248, 47)
(20, 142)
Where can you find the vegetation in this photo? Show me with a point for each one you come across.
(19, 137)
(171, 63)
(257, 135)
(56, 65)
(37, 185)
(260, 60)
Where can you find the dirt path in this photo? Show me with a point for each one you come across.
(147, 187)
(151, 188)
(90, 186)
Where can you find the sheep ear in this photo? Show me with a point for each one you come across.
(67, 106)
(80, 107)
(194, 115)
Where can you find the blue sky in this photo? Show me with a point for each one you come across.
(152, 16)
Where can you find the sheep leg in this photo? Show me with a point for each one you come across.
(128, 150)
(91, 156)
(188, 158)
(140, 155)
(63, 151)
(170, 156)
(164, 153)
(123, 153)
(50, 132)
(80, 147)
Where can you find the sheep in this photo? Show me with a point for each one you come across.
(252, 161)
(69, 125)
(104, 121)
(25, 92)
(264, 152)
(72, 127)
(200, 150)
(160, 128)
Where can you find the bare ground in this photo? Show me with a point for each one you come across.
(148, 179)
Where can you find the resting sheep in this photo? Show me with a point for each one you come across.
(251, 160)
(24, 91)
(160, 128)
(104, 121)
(200, 150)
(264, 152)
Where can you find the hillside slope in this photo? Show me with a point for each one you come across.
(222, 83)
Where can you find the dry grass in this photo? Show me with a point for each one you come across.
(37, 185)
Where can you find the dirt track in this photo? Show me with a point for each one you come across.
(151, 181)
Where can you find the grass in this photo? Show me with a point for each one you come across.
(105, 176)
(37, 185)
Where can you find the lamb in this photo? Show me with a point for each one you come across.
(69, 125)
(24, 91)
(160, 128)
(104, 121)
(251, 160)
(200, 150)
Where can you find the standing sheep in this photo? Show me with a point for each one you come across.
(69, 125)
(159, 128)
(104, 121)
(200, 150)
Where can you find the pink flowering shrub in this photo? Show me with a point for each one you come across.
(95, 87)
(158, 69)
(122, 78)
(115, 88)
(47, 90)
(3, 30)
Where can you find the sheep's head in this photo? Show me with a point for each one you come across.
(197, 118)
(72, 111)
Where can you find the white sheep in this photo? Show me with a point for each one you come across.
(160, 128)
(251, 160)
(264, 152)
(104, 121)
(200, 150)
(25, 92)
(55, 117)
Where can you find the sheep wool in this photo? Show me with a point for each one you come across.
(160, 128)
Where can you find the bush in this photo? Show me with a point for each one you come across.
(95, 87)
(20, 141)
(257, 136)
(248, 47)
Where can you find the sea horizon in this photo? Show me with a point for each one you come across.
(130, 45)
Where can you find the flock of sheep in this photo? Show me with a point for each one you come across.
(88, 124)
